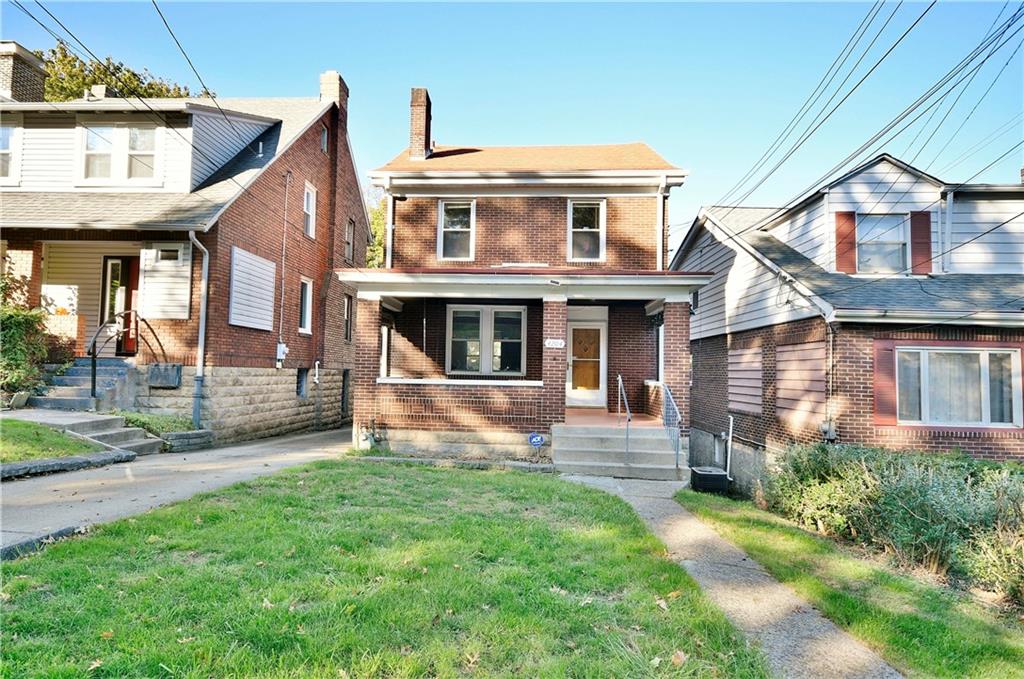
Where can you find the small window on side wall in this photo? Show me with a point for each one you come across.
(305, 306)
(350, 239)
(346, 302)
(309, 211)
(882, 243)
(586, 230)
(456, 230)
(325, 138)
(302, 382)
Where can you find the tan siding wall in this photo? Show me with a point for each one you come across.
(745, 380)
(800, 383)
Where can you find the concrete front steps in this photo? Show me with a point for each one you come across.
(72, 390)
(601, 451)
(110, 430)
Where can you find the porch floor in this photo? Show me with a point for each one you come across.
(598, 417)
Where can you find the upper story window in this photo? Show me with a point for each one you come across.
(309, 211)
(586, 231)
(10, 138)
(118, 153)
(325, 138)
(882, 243)
(958, 386)
(456, 230)
(486, 340)
(350, 239)
(305, 306)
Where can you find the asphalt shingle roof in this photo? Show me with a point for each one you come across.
(958, 293)
(166, 210)
(634, 156)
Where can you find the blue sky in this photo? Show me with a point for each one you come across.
(707, 85)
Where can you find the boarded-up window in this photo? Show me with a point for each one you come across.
(745, 380)
(251, 303)
(165, 280)
(800, 388)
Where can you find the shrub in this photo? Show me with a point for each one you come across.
(22, 348)
(943, 512)
(155, 424)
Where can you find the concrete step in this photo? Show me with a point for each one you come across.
(573, 455)
(74, 392)
(62, 402)
(622, 471)
(104, 361)
(116, 437)
(142, 446)
(609, 432)
(654, 445)
(105, 382)
(96, 423)
(462, 450)
(86, 371)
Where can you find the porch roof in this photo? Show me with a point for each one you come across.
(525, 283)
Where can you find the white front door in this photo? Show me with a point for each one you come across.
(586, 381)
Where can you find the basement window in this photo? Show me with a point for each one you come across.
(302, 382)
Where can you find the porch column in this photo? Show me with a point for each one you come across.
(554, 361)
(676, 356)
(367, 366)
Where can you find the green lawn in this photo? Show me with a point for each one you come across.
(922, 629)
(30, 441)
(353, 569)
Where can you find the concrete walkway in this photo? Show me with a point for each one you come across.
(797, 640)
(58, 504)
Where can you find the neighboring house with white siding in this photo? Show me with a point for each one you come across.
(176, 231)
(885, 308)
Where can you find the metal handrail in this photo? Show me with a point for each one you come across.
(93, 352)
(623, 401)
(670, 417)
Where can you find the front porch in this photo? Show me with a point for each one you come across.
(452, 359)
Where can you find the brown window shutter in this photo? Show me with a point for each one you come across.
(921, 242)
(885, 383)
(846, 242)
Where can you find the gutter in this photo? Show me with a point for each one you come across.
(204, 288)
(1006, 319)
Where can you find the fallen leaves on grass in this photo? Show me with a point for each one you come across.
(662, 604)
(94, 665)
(678, 658)
(266, 603)
(108, 634)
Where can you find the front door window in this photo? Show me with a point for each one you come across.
(586, 380)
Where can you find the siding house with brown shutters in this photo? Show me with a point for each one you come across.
(886, 308)
(190, 242)
(525, 291)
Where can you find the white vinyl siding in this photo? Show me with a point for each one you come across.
(251, 300)
(745, 380)
(10, 149)
(1001, 251)
(219, 141)
(165, 284)
(800, 383)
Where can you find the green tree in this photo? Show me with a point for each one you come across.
(378, 218)
(68, 77)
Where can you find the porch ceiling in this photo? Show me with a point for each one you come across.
(569, 284)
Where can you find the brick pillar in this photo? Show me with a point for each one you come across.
(554, 361)
(677, 356)
(367, 367)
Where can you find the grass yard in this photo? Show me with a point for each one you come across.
(153, 423)
(922, 629)
(353, 569)
(30, 441)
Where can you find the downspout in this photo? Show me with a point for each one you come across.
(389, 230)
(660, 230)
(284, 252)
(201, 344)
(949, 230)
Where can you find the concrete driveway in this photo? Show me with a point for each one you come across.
(59, 504)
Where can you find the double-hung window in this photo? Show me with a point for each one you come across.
(456, 230)
(141, 152)
(10, 134)
(118, 153)
(958, 386)
(309, 210)
(486, 340)
(306, 306)
(882, 243)
(586, 230)
(99, 151)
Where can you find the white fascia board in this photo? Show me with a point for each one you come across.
(724, 235)
(441, 382)
(105, 226)
(1006, 319)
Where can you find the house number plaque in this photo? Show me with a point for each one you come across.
(554, 343)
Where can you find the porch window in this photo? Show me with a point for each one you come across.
(456, 229)
(586, 230)
(882, 243)
(486, 340)
(306, 306)
(309, 210)
(958, 387)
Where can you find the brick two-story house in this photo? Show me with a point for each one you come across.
(884, 308)
(189, 232)
(520, 285)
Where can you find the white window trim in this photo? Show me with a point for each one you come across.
(603, 229)
(163, 264)
(440, 231)
(905, 241)
(486, 339)
(14, 120)
(309, 190)
(119, 153)
(986, 415)
(348, 318)
(308, 328)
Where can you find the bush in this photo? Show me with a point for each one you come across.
(22, 348)
(948, 513)
(154, 423)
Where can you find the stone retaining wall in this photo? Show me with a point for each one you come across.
(181, 441)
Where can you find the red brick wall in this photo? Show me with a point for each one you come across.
(676, 364)
(516, 230)
(632, 353)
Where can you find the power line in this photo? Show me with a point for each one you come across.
(985, 142)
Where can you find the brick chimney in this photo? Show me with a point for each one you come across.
(333, 88)
(22, 73)
(419, 124)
